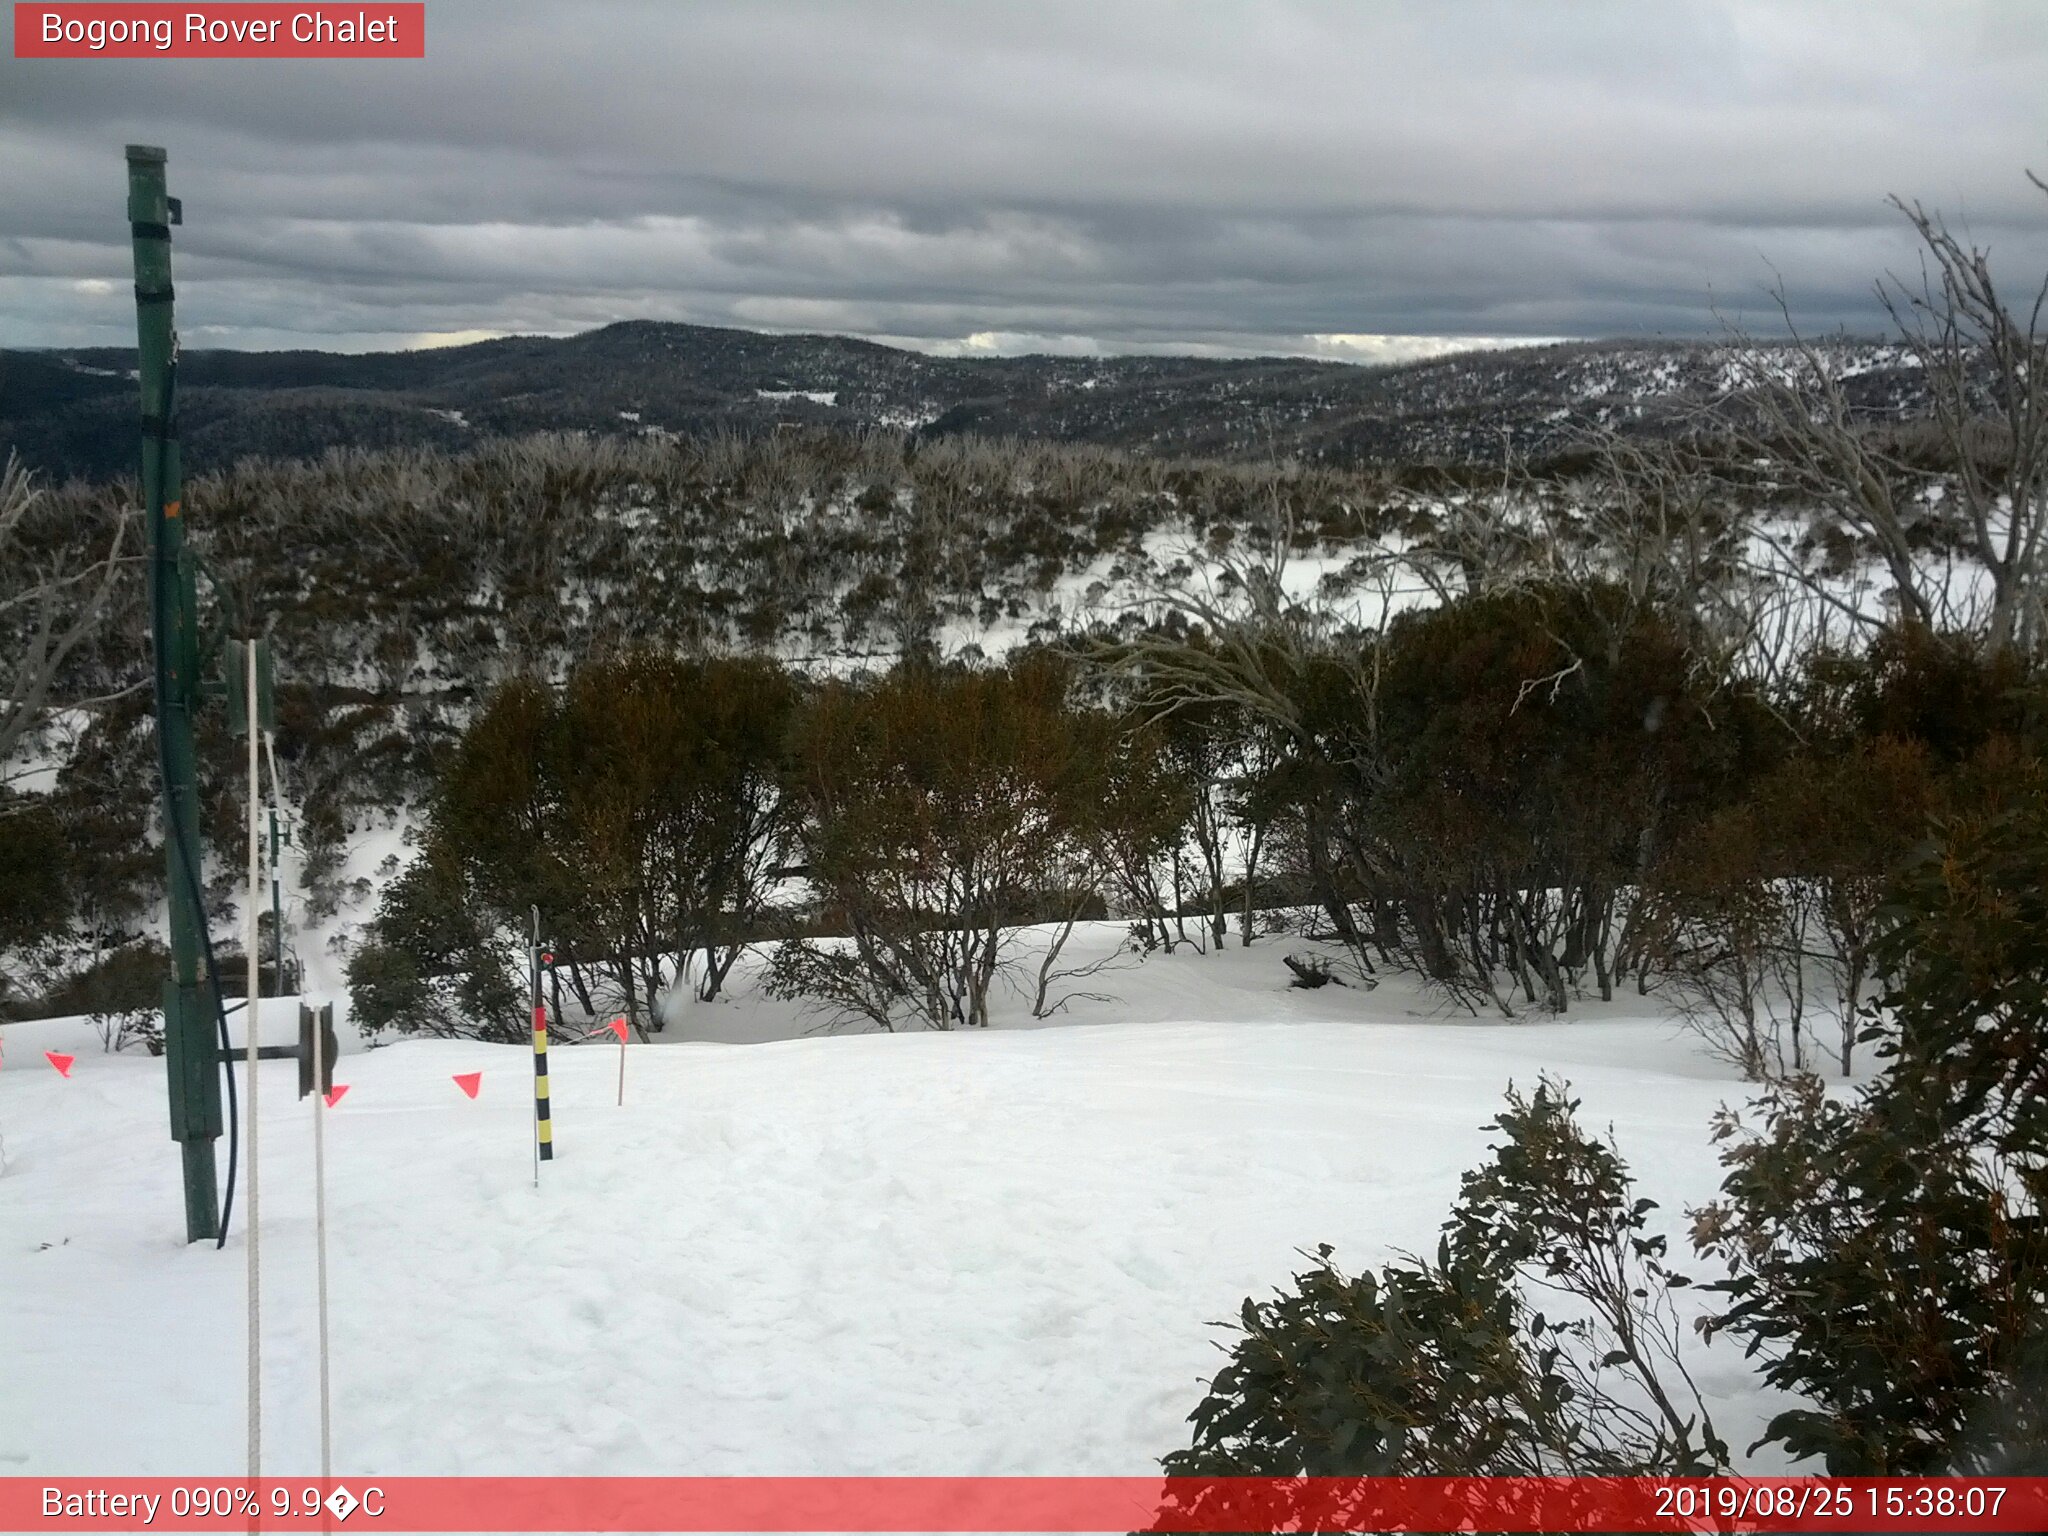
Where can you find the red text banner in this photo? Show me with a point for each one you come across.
(217, 31)
(1016, 1504)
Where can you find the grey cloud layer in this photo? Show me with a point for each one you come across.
(1132, 175)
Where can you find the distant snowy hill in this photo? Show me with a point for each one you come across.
(72, 412)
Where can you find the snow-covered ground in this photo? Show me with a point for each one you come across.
(989, 1252)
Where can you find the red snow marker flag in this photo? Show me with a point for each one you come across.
(334, 1094)
(618, 1027)
(60, 1061)
(469, 1082)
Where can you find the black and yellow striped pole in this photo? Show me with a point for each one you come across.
(543, 1122)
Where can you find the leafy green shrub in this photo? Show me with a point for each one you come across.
(119, 1028)
(128, 979)
(1888, 1255)
(432, 964)
(386, 990)
(1445, 1368)
(35, 886)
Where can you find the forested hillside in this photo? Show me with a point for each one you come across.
(68, 413)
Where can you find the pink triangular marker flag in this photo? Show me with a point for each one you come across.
(334, 1094)
(61, 1062)
(618, 1027)
(469, 1082)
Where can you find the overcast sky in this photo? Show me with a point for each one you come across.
(1350, 179)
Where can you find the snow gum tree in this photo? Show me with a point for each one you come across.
(940, 809)
(1532, 741)
(1969, 477)
(639, 808)
(53, 596)
(1763, 917)
(668, 780)
(1147, 803)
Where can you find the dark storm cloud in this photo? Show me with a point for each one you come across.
(1105, 176)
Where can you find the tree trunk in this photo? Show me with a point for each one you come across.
(716, 969)
(1437, 961)
(1602, 936)
(1851, 1001)
(1052, 955)
(1251, 870)
(580, 985)
(628, 975)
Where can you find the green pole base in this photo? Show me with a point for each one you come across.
(202, 1200)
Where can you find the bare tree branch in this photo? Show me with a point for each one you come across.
(47, 608)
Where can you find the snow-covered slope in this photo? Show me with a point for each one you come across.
(990, 1252)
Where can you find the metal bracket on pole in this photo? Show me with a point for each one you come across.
(304, 1051)
(236, 693)
(309, 1049)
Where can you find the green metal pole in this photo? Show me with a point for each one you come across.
(190, 1050)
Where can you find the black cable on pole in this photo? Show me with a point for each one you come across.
(174, 827)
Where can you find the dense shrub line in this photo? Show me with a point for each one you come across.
(1525, 797)
(408, 584)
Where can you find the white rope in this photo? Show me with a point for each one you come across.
(319, 1139)
(320, 1237)
(319, 1146)
(249, 1222)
